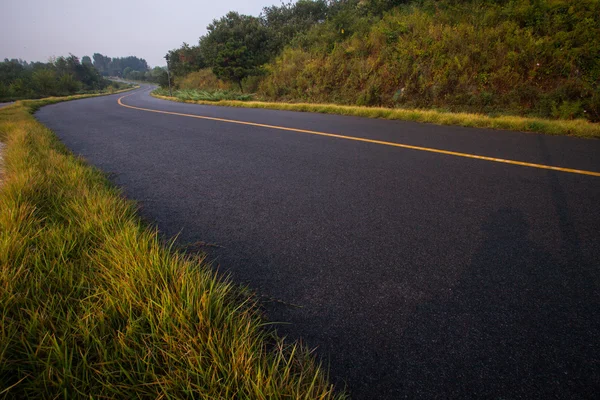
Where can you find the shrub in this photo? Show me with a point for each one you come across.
(204, 79)
(537, 58)
(206, 95)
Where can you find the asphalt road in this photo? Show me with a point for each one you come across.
(414, 274)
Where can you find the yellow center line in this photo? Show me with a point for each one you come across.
(359, 139)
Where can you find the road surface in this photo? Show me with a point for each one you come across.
(414, 274)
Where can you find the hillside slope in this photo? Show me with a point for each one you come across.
(526, 57)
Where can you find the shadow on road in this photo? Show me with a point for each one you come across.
(518, 324)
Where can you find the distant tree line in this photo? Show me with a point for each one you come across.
(130, 67)
(60, 76)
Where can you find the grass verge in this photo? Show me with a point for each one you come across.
(93, 304)
(578, 127)
(206, 95)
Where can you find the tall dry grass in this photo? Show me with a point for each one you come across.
(94, 305)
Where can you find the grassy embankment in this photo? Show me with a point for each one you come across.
(522, 57)
(520, 64)
(94, 305)
(578, 127)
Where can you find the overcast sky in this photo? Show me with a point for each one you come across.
(35, 30)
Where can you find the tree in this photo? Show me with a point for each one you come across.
(236, 47)
(44, 81)
(86, 60)
(157, 72)
(163, 78)
(68, 84)
(185, 59)
(101, 63)
(10, 70)
(291, 19)
(118, 65)
(62, 75)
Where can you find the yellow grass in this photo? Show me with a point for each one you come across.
(94, 305)
(578, 127)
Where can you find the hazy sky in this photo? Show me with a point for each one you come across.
(35, 30)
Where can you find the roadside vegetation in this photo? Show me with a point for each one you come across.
(206, 95)
(497, 58)
(578, 127)
(95, 304)
(65, 76)
(60, 77)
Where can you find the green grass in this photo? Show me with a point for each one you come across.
(94, 305)
(578, 127)
(206, 95)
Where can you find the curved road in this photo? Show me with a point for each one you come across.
(415, 274)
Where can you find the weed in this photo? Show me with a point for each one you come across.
(206, 95)
(577, 127)
(93, 304)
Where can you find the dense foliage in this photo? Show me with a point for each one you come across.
(108, 66)
(62, 76)
(526, 57)
(538, 58)
(131, 67)
(68, 75)
(237, 47)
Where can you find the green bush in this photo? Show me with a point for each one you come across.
(206, 95)
(64, 76)
(203, 79)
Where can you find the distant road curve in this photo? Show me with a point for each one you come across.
(415, 274)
